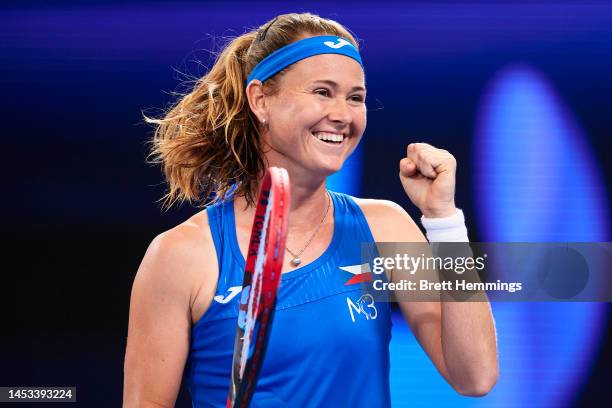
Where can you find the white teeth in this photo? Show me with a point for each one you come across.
(333, 137)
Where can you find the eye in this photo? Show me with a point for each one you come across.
(358, 98)
(322, 92)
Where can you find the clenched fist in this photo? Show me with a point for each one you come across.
(428, 177)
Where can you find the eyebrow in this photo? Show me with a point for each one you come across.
(335, 85)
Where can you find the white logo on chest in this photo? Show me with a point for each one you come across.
(365, 305)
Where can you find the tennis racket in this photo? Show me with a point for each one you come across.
(261, 279)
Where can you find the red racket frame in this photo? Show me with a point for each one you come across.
(275, 183)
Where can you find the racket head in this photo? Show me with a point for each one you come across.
(261, 279)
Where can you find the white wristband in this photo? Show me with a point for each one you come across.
(447, 229)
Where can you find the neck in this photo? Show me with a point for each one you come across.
(308, 203)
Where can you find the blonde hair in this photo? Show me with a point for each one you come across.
(209, 140)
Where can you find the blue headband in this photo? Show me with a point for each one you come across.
(294, 52)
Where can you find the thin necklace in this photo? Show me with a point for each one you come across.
(296, 257)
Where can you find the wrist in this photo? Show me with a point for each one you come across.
(448, 212)
(440, 212)
(446, 229)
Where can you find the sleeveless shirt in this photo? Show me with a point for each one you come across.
(329, 344)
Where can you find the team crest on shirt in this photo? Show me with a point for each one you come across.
(361, 273)
(364, 307)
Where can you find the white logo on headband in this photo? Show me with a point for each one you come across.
(341, 43)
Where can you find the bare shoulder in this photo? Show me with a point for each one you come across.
(176, 277)
(182, 260)
(388, 221)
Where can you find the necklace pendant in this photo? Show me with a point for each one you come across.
(296, 261)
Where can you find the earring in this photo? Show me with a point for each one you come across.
(263, 122)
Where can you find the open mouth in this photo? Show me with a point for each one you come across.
(330, 138)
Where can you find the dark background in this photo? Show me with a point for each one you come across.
(79, 206)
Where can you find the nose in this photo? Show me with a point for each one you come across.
(340, 112)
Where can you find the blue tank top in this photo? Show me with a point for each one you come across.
(329, 344)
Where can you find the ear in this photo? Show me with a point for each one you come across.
(257, 100)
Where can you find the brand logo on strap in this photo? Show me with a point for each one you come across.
(233, 291)
(341, 43)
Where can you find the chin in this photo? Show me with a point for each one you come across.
(327, 168)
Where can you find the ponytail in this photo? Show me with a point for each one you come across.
(209, 140)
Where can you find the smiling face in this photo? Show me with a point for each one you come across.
(318, 115)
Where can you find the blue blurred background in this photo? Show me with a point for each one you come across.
(519, 92)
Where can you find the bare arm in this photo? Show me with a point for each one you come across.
(166, 284)
(458, 337)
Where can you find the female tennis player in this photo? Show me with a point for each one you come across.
(292, 95)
